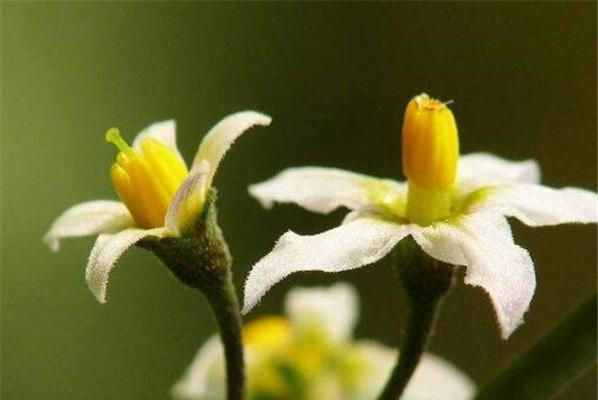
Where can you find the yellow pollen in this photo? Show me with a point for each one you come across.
(430, 156)
(147, 180)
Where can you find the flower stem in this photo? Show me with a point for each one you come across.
(425, 282)
(225, 306)
(202, 261)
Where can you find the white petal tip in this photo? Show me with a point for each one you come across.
(256, 191)
(260, 118)
(246, 309)
(52, 243)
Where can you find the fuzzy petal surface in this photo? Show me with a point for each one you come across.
(352, 245)
(219, 139)
(323, 190)
(482, 242)
(89, 218)
(484, 169)
(106, 252)
(537, 205)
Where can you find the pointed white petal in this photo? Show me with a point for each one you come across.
(89, 218)
(164, 131)
(197, 382)
(483, 243)
(106, 252)
(219, 139)
(537, 205)
(484, 169)
(323, 190)
(437, 379)
(349, 246)
(329, 310)
(188, 201)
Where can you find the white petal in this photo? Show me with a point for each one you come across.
(349, 246)
(323, 190)
(89, 218)
(331, 310)
(219, 139)
(484, 169)
(106, 252)
(377, 361)
(436, 379)
(197, 383)
(164, 131)
(537, 205)
(483, 243)
(188, 201)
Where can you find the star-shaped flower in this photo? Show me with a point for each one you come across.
(160, 198)
(454, 209)
(310, 354)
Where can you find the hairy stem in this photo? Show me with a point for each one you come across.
(425, 282)
(225, 305)
(201, 260)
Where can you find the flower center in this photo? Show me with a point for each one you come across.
(146, 180)
(430, 145)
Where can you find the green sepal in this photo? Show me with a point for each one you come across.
(201, 258)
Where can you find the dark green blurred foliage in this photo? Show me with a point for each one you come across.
(335, 78)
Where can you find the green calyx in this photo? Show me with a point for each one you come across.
(200, 259)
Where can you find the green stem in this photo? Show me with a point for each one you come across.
(425, 281)
(201, 260)
(552, 363)
(225, 305)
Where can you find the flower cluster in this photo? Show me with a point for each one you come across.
(453, 210)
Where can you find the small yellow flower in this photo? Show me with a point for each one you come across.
(160, 196)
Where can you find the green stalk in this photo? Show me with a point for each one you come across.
(225, 306)
(552, 363)
(201, 260)
(425, 281)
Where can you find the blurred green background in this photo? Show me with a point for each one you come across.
(335, 78)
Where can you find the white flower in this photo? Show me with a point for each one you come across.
(311, 355)
(456, 214)
(160, 198)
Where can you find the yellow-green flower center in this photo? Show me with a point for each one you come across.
(146, 180)
(430, 145)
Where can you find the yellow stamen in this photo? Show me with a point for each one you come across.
(146, 180)
(430, 158)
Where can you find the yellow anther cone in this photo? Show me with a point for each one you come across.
(147, 180)
(430, 145)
